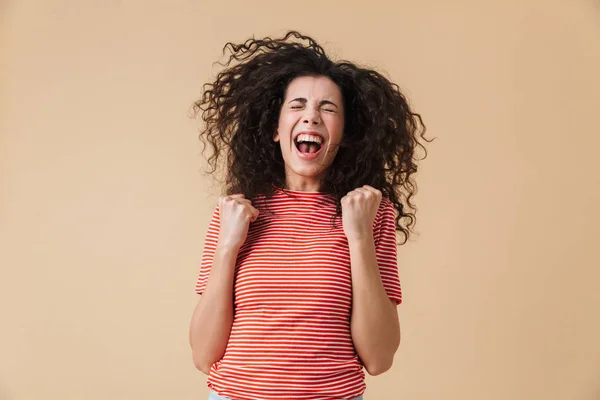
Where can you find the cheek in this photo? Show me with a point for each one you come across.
(336, 130)
(285, 126)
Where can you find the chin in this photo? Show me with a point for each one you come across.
(309, 172)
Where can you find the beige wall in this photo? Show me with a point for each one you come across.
(103, 205)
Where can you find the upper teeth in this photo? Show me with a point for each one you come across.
(309, 138)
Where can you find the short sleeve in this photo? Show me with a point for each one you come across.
(208, 253)
(386, 250)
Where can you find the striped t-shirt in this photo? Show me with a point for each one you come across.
(290, 337)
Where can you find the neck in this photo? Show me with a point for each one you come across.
(301, 184)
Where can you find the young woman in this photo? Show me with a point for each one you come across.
(298, 281)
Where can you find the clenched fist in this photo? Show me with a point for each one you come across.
(236, 213)
(359, 208)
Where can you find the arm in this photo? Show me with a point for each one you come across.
(374, 325)
(213, 316)
(212, 319)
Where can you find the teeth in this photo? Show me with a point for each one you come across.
(309, 138)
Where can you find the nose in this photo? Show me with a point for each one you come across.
(311, 117)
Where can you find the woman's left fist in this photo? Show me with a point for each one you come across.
(359, 208)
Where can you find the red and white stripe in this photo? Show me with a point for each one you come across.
(290, 337)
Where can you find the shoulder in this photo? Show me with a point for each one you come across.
(386, 207)
(386, 214)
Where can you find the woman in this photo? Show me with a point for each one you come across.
(299, 282)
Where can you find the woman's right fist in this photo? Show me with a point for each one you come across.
(236, 213)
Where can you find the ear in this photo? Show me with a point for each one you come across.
(276, 136)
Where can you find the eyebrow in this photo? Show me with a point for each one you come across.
(321, 103)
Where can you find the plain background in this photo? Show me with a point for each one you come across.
(104, 203)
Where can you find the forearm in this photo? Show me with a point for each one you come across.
(374, 325)
(213, 316)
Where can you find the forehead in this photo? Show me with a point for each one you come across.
(313, 87)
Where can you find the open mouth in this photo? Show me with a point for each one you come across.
(308, 144)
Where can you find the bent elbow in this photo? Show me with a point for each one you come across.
(201, 365)
(380, 367)
(204, 368)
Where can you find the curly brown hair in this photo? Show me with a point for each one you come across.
(240, 111)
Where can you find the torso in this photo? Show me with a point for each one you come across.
(293, 299)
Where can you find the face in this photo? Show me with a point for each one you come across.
(310, 129)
